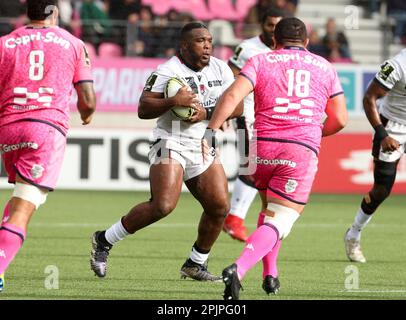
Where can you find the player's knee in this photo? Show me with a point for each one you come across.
(30, 193)
(374, 199)
(218, 207)
(380, 192)
(223, 207)
(384, 176)
(282, 218)
(164, 208)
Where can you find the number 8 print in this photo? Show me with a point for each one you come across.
(36, 65)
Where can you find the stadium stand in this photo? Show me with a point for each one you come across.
(148, 28)
(97, 21)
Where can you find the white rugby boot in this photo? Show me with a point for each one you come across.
(353, 249)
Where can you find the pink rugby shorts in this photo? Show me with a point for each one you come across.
(33, 150)
(284, 170)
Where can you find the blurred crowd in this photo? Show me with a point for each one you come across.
(133, 28)
(395, 9)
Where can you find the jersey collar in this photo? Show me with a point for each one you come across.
(294, 48)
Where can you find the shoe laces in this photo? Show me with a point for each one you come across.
(101, 253)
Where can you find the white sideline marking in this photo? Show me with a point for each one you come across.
(189, 225)
(373, 291)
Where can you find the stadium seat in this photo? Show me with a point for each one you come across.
(223, 33)
(91, 50)
(109, 50)
(222, 9)
(197, 8)
(242, 7)
(159, 7)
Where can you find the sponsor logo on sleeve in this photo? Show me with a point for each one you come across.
(150, 82)
(386, 70)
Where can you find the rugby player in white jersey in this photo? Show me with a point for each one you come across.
(175, 155)
(385, 108)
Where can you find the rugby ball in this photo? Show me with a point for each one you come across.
(171, 89)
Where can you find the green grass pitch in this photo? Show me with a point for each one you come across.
(312, 262)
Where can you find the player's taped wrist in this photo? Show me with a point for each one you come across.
(380, 132)
(210, 137)
(209, 113)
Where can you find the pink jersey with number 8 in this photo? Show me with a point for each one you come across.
(38, 67)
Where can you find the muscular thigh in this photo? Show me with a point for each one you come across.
(166, 181)
(210, 187)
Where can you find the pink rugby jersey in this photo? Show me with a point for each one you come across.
(291, 90)
(37, 69)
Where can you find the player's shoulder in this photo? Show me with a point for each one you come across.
(317, 57)
(250, 43)
(399, 59)
(69, 36)
(319, 61)
(13, 33)
(219, 65)
(218, 62)
(170, 67)
(173, 63)
(259, 57)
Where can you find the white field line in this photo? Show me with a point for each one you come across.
(372, 291)
(191, 225)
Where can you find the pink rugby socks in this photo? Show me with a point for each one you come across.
(260, 243)
(11, 240)
(269, 260)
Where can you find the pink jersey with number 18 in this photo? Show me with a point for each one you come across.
(38, 67)
(291, 90)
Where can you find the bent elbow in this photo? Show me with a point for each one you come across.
(343, 122)
(141, 115)
(141, 112)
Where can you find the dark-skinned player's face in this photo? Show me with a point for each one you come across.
(268, 27)
(199, 47)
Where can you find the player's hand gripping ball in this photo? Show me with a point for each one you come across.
(171, 89)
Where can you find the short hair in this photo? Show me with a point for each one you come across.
(189, 27)
(36, 9)
(274, 13)
(290, 30)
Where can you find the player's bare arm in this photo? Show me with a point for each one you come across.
(227, 124)
(230, 103)
(153, 104)
(374, 92)
(337, 115)
(201, 114)
(86, 101)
